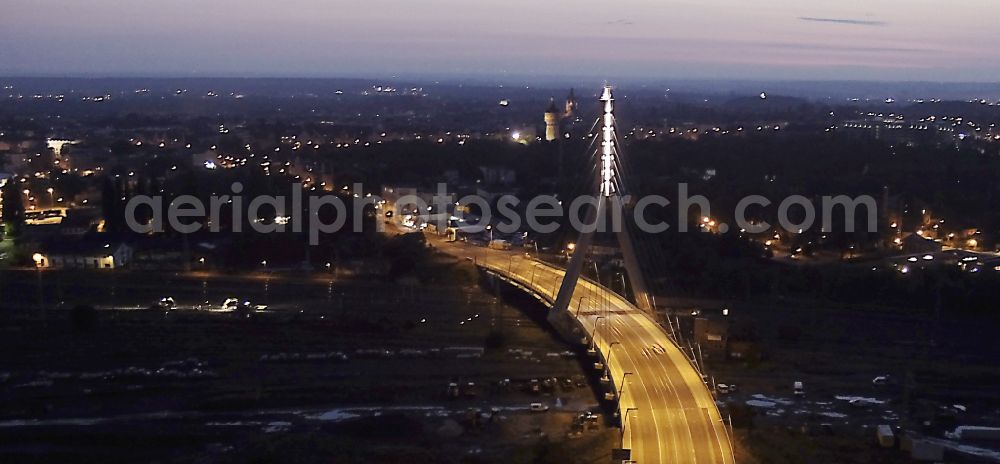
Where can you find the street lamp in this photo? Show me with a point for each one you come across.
(625, 420)
(607, 360)
(596, 322)
(39, 260)
(579, 304)
(593, 337)
(267, 283)
(51, 195)
(604, 367)
(621, 387)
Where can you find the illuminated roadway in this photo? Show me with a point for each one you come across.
(675, 418)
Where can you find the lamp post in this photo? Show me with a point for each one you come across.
(579, 304)
(625, 420)
(39, 260)
(607, 360)
(593, 337)
(621, 387)
(596, 327)
(267, 283)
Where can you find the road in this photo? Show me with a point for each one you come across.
(669, 414)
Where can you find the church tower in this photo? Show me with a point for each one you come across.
(552, 118)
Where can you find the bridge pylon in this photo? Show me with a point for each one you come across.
(611, 200)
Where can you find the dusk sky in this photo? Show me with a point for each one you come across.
(645, 39)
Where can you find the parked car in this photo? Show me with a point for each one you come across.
(166, 303)
(538, 407)
(234, 304)
(589, 417)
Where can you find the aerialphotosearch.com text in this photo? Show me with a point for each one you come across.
(329, 213)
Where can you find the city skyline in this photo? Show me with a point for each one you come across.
(887, 41)
(436, 231)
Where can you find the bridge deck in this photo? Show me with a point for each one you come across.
(675, 418)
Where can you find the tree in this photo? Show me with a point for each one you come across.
(13, 210)
(112, 205)
(404, 252)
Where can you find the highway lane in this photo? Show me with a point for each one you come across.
(675, 418)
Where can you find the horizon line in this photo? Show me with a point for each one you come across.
(485, 78)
